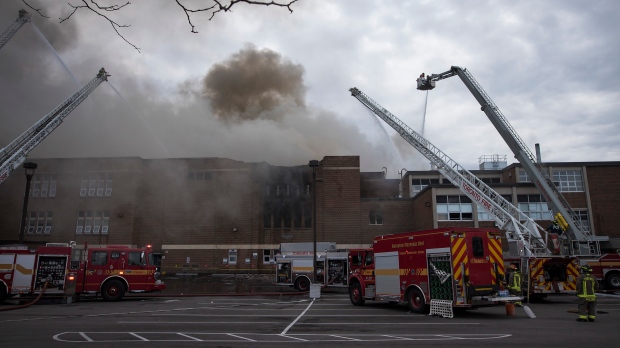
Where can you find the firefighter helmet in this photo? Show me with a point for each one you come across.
(513, 266)
(586, 269)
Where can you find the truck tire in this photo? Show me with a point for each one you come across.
(113, 290)
(612, 280)
(3, 293)
(302, 284)
(355, 294)
(415, 300)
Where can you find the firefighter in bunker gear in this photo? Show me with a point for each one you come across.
(586, 287)
(515, 279)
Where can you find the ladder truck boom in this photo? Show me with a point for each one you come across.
(14, 27)
(583, 243)
(505, 214)
(14, 154)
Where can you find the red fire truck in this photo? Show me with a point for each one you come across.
(110, 271)
(463, 266)
(607, 270)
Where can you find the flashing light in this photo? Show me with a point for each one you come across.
(121, 272)
(149, 246)
(71, 278)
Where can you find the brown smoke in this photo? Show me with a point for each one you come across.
(251, 82)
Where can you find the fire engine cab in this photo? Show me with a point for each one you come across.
(63, 270)
(460, 266)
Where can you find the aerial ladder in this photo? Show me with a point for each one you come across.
(14, 27)
(580, 241)
(14, 154)
(525, 239)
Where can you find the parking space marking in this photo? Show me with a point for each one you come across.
(261, 338)
(294, 321)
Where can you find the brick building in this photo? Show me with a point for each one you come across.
(222, 215)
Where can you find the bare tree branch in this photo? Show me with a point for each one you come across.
(218, 7)
(96, 10)
(38, 10)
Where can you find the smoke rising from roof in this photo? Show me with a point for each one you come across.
(251, 106)
(251, 82)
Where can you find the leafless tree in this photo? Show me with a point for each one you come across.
(211, 7)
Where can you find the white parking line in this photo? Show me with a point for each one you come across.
(138, 336)
(241, 337)
(294, 321)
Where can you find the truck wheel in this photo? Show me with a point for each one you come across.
(613, 281)
(416, 301)
(3, 294)
(355, 294)
(113, 290)
(302, 284)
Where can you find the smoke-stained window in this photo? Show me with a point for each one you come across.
(376, 218)
(95, 185)
(92, 222)
(39, 222)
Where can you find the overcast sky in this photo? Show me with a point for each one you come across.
(262, 84)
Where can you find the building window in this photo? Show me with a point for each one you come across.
(534, 206)
(585, 220)
(376, 218)
(39, 222)
(523, 177)
(484, 216)
(199, 175)
(268, 256)
(52, 191)
(568, 180)
(92, 222)
(491, 180)
(96, 184)
(418, 185)
(232, 256)
(451, 208)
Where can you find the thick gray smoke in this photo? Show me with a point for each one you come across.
(251, 106)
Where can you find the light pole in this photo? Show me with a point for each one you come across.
(314, 164)
(30, 168)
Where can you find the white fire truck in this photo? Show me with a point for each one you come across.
(295, 267)
(110, 271)
(461, 267)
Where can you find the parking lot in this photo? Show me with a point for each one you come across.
(292, 319)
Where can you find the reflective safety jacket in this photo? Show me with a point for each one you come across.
(586, 287)
(514, 280)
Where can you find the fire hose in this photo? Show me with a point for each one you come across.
(47, 281)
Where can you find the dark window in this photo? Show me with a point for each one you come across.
(297, 215)
(308, 215)
(115, 255)
(477, 246)
(490, 180)
(267, 215)
(99, 258)
(134, 258)
(375, 218)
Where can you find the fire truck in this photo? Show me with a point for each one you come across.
(460, 266)
(606, 269)
(63, 270)
(553, 271)
(295, 265)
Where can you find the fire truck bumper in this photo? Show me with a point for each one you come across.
(159, 286)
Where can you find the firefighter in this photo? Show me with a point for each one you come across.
(515, 279)
(555, 228)
(586, 287)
